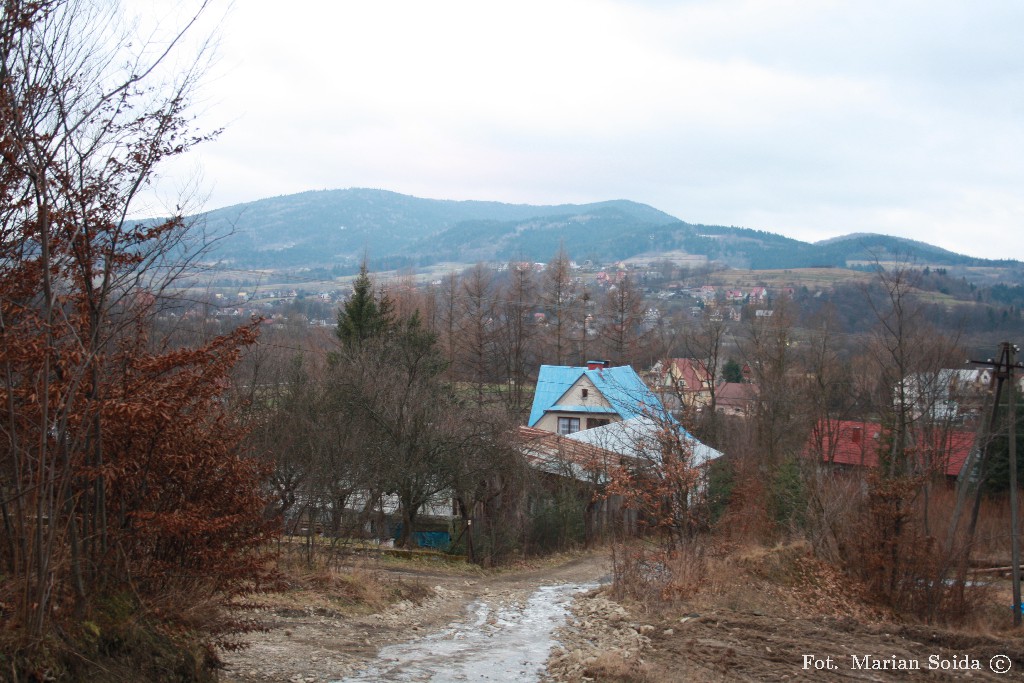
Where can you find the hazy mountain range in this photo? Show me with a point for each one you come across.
(336, 228)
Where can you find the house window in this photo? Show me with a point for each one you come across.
(568, 425)
(596, 422)
(584, 392)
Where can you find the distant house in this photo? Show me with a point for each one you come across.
(947, 394)
(612, 277)
(849, 444)
(571, 399)
(736, 398)
(607, 407)
(706, 292)
(683, 382)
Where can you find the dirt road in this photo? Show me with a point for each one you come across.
(776, 615)
(314, 642)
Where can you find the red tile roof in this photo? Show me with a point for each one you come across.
(856, 444)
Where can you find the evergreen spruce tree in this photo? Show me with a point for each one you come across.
(366, 315)
(731, 371)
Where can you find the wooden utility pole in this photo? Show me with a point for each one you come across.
(974, 470)
(1010, 351)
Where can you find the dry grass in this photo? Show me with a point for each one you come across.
(812, 278)
(785, 578)
(656, 578)
(613, 667)
(882, 533)
(169, 638)
(324, 587)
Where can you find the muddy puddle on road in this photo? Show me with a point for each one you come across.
(510, 643)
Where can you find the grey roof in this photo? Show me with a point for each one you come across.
(637, 437)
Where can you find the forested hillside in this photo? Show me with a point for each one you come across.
(335, 229)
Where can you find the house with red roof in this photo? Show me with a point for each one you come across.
(683, 382)
(706, 292)
(736, 398)
(851, 444)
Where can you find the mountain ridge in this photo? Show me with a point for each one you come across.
(337, 228)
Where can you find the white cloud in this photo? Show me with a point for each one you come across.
(812, 119)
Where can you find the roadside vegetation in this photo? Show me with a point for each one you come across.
(130, 516)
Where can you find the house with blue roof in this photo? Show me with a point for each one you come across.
(607, 407)
(572, 399)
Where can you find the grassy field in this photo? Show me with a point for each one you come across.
(812, 278)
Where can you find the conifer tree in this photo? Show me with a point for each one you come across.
(365, 315)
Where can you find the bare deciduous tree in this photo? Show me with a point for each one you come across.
(558, 294)
(620, 316)
(478, 331)
(110, 449)
(517, 332)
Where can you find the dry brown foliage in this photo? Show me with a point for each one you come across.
(657, 577)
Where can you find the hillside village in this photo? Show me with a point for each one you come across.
(729, 380)
(674, 284)
(659, 410)
(357, 434)
(716, 345)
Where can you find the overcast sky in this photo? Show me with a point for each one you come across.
(808, 118)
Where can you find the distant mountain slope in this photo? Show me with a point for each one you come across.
(871, 246)
(327, 227)
(335, 228)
